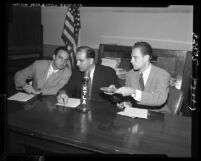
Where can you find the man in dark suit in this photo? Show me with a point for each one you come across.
(101, 76)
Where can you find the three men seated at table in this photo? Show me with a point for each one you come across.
(145, 83)
(48, 77)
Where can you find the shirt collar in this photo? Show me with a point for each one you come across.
(147, 71)
(52, 69)
(92, 72)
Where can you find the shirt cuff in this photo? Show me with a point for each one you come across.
(20, 87)
(137, 95)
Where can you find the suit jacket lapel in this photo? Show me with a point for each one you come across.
(136, 83)
(95, 78)
(44, 74)
(150, 77)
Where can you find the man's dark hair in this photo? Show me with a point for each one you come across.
(144, 47)
(60, 48)
(90, 53)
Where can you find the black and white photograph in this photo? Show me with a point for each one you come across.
(94, 79)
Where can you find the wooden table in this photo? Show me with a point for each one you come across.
(39, 126)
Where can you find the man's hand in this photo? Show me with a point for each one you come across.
(30, 90)
(112, 88)
(120, 105)
(62, 98)
(125, 91)
(124, 104)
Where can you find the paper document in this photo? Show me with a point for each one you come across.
(134, 112)
(72, 102)
(111, 62)
(21, 97)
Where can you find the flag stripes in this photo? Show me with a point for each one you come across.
(71, 30)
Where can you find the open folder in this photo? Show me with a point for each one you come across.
(20, 96)
(134, 112)
(72, 103)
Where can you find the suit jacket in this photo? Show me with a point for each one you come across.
(103, 77)
(156, 88)
(38, 72)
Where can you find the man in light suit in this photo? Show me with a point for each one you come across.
(153, 87)
(101, 76)
(48, 76)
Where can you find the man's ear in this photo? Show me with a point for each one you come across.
(53, 56)
(147, 57)
(91, 60)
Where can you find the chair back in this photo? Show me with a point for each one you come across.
(175, 100)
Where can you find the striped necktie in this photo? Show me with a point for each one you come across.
(88, 79)
(89, 87)
(141, 82)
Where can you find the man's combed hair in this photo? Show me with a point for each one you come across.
(90, 53)
(60, 48)
(144, 47)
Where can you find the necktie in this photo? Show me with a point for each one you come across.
(89, 87)
(87, 79)
(141, 82)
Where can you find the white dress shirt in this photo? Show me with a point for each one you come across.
(51, 71)
(92, 75)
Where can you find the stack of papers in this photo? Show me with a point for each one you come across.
(21, 97)
(134, 112)
(111, 62)
(114, 63)
(121, 73)
(72, 103)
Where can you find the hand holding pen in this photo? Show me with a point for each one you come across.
(62, 98)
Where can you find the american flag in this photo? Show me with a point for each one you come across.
(71, 31)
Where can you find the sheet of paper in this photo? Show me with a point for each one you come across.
(72, 102)
(111, 62)
(134, 112)
(20, 96)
